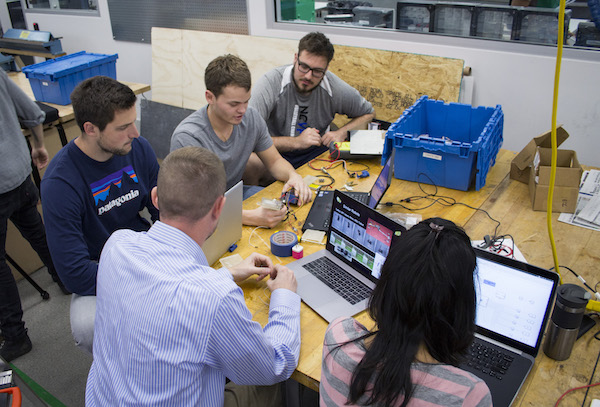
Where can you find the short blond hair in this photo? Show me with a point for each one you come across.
(189, 182)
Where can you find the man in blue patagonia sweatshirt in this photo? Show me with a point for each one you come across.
(96, 184)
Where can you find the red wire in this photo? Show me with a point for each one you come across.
(575, 388)
(339, 153)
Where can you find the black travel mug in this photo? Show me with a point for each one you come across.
(563, 328)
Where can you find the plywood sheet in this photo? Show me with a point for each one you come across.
(167, 66)
(390, 80)
(199, 48)
(191, 51)
(393, 81)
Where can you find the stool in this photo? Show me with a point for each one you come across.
(35, 285)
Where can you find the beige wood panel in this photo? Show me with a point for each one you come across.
(190, 52)
(167, 66)
(260, 54)
(393, 81)
(390, 80)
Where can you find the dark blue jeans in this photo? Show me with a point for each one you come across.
(20, 206)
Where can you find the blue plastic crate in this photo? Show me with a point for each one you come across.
(451, 145)
(53, 80)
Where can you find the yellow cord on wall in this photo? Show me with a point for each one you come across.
(559, 49)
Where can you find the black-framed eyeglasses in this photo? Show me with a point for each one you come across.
(304, 68)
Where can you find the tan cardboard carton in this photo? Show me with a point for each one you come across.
(566, 185)
(520, 167)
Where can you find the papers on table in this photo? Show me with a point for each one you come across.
(367, 142)
(587, 214)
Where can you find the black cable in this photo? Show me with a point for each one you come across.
(579, 278)
(367, 168)
(444, 201)
(320, 178)
(497, 242)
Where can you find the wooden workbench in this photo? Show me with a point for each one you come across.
(577, 249)
(505, 200)
(17, 53)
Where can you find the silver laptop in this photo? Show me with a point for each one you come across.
(514, 302)
(229, 229)
(338, 280)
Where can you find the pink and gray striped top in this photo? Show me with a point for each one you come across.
(435, 384)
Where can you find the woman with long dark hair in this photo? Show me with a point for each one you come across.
(424, 311)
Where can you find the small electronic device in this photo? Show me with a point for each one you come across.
(290, 197)
(318, 216)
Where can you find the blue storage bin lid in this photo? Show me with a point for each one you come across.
(63, 66)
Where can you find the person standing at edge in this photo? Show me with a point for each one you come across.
(18, 202)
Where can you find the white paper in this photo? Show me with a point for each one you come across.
(367, 142)
(591, 211)
(589, 188)
(590, 184)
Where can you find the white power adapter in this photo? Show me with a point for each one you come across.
(273, 204)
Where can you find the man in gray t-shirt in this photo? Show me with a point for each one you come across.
(233, 131)
(299, 101)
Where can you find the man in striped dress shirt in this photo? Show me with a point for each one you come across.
(169, 329)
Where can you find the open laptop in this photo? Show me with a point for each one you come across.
(229, 229)
(338, 280)
(318, 216)
(514, 303)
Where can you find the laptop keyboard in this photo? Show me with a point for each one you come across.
(347, 286)
(488, 360)
(359, 196)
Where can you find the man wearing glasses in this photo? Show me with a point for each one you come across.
(299, 101)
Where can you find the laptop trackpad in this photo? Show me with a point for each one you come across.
(324, 301)
(315, 295)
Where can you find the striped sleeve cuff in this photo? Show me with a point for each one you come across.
(284, 298)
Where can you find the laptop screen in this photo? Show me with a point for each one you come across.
(514, 299)
(360, 236)
(382, 183)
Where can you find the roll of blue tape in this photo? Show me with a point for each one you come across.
(282, 243)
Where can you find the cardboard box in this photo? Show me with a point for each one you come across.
(520, 167)
(566, 185)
